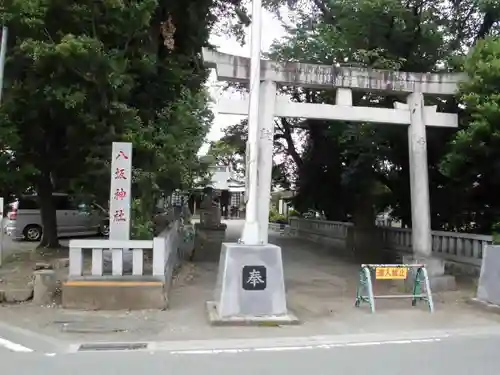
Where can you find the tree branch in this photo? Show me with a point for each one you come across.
(328, 14)
(287, 135)
(489, 20)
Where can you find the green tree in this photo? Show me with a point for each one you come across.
(473, 162)
(359, 161)
(82, 75)
(227, 154)
(231, 150)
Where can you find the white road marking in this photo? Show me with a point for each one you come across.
(304, 347)
(14, 347)
(277, 344)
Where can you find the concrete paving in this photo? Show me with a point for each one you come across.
(11, 247)
(320, 290)
(4, 348)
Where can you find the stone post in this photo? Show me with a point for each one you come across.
(420, 201)
(419, 178)
(209, 232)
(44, 286)
(265, 161)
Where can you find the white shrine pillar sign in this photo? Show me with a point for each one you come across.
(119, 260)
(120, 191)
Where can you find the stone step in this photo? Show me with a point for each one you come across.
(114, 293)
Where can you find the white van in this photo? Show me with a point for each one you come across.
(24, 220)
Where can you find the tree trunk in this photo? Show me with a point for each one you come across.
(366, 241)
(48, 212)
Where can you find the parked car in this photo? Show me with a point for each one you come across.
(161, 218)
(104, 214)
(24, 219)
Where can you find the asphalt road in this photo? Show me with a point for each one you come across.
(453, 355)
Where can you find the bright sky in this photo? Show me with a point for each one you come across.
(271, 30)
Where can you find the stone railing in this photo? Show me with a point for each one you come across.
(157, 258)
(327, 232)
(462, 251)
(336, 229)
(174, 245)
(123, 256)
(456, 247)
(135, 274)
(277, 227)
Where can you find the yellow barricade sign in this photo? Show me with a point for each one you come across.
(421, 285)
(391, 273)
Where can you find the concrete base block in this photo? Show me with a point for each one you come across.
(434, 266)
(114, 294)
(488, 288)
(208, 240)
(262, 321)
(443, 283)
(250, 286)
(44, 287)
(439, 282)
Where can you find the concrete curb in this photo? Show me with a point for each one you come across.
(310, 342)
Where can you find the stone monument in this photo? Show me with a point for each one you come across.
(209, 232)
(120, 205)
(488, 289)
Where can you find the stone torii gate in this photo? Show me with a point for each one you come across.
(413, 113)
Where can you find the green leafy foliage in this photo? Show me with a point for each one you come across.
(82, 75)
(231, 149)
(354, 170)
(473, 162)
(276, 217)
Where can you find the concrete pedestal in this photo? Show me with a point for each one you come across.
(44, 287)
(435, 269)
(208, 240)
(115, 293)
(488, 290)
(250, 287)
